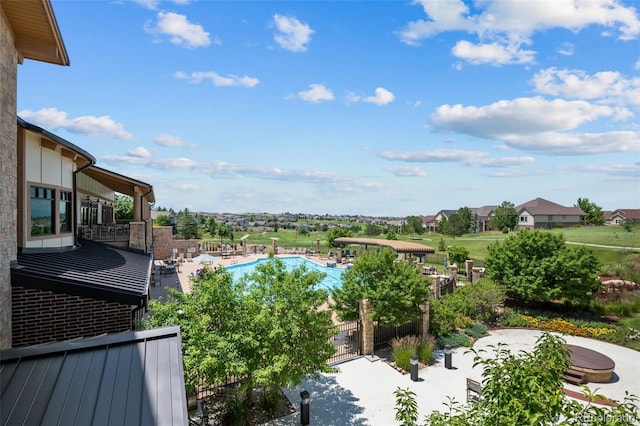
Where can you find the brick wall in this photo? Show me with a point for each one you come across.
(44, 316)
(8, 175)
(163, 242)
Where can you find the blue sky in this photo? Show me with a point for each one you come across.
(384, 108)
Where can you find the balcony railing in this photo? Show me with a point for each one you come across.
(110, 232)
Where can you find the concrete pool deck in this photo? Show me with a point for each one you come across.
(361, 393)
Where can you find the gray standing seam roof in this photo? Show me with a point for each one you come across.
(134, 378)
(94, 270)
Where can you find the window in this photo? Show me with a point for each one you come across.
(42, 210)
(65, 211)
(524, 218)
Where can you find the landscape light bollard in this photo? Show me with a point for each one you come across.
(414, 367)
(304, 408)
(447, 356)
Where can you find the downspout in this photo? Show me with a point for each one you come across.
(75, 200)
(146, 248)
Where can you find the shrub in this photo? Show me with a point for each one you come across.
(512, 319)
(454, 340)
(403, 348)
(425, 350)
(406, 346)
(476, 330)
(461, 322)
(441, 317)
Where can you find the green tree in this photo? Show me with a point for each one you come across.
(162, 220)
(187, 225)
(505, 217)
(211, 226)
(123, 205)
(396, 289)
(334, 233)
(459, 223)
(372, 230)
(512, 401)
(537, 265)
(266, 327)
(392, 234)
(593, 212)
(413, 225)
(458, 255)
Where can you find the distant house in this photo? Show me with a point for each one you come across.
(619, 216)
(432, 225)
(544, 214)
(484, 215)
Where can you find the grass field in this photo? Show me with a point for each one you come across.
(476, 243)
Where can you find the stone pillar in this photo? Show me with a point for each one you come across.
(454, 272)
(9, 175)
(366, 328)
(136, 235)
(244, 247)
(423, 325)
(435, 287)
(468, 266)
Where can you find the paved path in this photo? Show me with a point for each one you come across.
(361, 393)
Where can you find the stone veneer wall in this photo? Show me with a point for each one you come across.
(8, 174)
(163, 242)
(43, 316)
(137, 236)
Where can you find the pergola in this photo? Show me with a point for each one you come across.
(404, 247)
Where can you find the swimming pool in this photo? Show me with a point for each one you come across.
(332, 279)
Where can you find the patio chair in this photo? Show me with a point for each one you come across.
(474, 390)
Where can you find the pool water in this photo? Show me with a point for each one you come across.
(332, 279)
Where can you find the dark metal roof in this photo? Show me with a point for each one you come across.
(134, 378)
(94, 270)
(398, 246)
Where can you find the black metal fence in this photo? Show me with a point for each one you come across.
(346, 342)
(382, 335)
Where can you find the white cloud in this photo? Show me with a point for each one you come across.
(164, 139)
(434, 156)
(381, 97)
(217, 79)
(630, 170)
(153, 4)
(519, 116)
(291, 34)
(316, 93)
(605, 86)
(140, 152)
(637, 65)
(181, 32)
(470, 158)
(577, 143)
(510, 24)
(51, 118)
(411, 171)
(538, 125)
(492, 53)
(566, 49)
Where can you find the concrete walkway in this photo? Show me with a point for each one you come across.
(361, 393)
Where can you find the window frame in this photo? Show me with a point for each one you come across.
(56, 200)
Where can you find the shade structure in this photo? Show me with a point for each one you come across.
(205, 258)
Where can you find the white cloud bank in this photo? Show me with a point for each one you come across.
(51, 118)
(504, 27)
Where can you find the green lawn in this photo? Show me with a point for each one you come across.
(476, 243)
